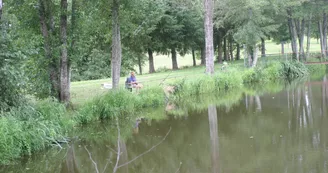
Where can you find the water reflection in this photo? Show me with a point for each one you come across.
(255, 132)
(214, 137)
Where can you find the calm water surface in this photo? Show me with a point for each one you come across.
(285, 132)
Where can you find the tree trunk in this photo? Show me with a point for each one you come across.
(202, 55)
(0, 9)
(52, 66)
(73, 25)
(220, 49)
(282, 48)
(64, 71)
(231, 47)
(116, 48)
(308, 41)
(238, 52)
(292, 32)
(321, 40)
(325, 25)
(193, 57)
(174, 59)
(300, 32)
(262, 47)
(140, 65)
(225, 53)
(208, 25)
(250, 57)
(255, 56)
(151, 61)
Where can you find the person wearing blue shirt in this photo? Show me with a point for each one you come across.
(134, 83)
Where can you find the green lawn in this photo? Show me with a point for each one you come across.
(86, 90)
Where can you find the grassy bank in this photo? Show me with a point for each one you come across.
(31, 128)
(36, 126)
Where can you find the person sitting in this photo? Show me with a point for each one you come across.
(134, 83)
(128, 84)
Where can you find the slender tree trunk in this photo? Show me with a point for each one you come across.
(262, 47)
(193, 57)
(238, 52)
(300, 32)
(231, 47)
(140, 65)
(308, 37)
(202, 55)
(323, 55)
(220, 49)
(208, 25)
(52, 66)
(151, 61)
(174, 59)
(116, 48)
(0, 9)
(64, 71)
(225, 52)
(255, 56)
(282, 48)
(73, 26)
(250, 57)
(214, 137)
(292, 31)
(325, 25)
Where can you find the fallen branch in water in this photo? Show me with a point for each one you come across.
(145, 151)
(94, 163)
(110, 157)
(179, 168)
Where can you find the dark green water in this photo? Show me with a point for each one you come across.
(285, 132)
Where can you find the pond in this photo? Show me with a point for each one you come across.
(285, 131)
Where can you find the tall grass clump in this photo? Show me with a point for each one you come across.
(263, 74)
(208, 84)
(317, 71)
(294, 69)
(120, 103)
(31, 128)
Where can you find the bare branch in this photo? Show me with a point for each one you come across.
(145, 151)
(94, 163)
(111, 149)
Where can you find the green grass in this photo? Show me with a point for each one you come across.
(83, 91)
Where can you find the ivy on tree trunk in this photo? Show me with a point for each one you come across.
(46, 34)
